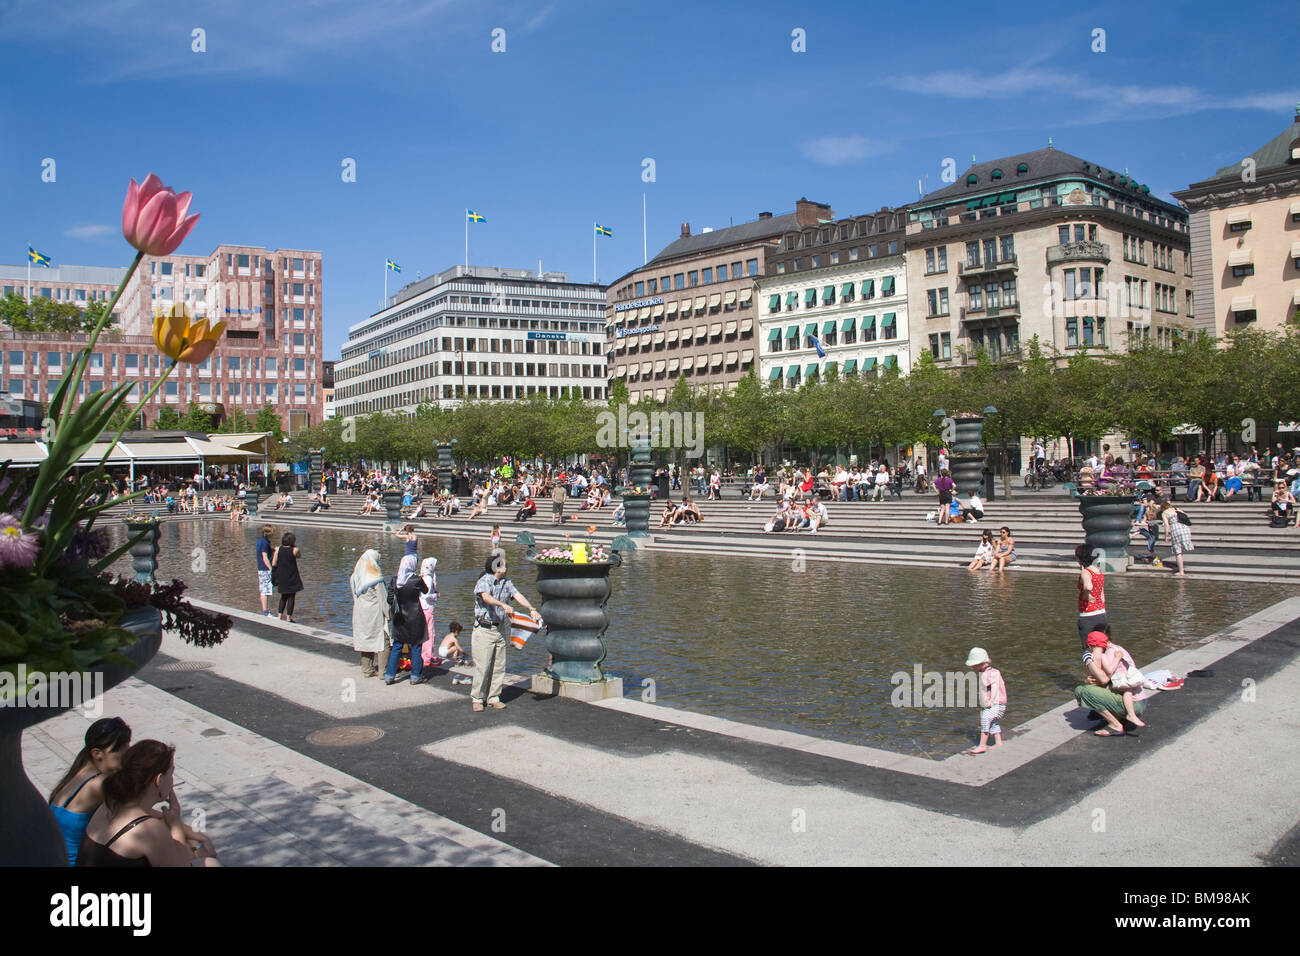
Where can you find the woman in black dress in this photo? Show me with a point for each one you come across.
(285, 576)
(409, 628)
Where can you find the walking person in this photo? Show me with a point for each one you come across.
(557, 503)
(263, 552)
(1092, 596)
(410, 629)
(284, 572)
(993, 699)
(370, 620)
(492, 632)
(1178, 532)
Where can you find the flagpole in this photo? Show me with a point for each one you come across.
(593, 252)
(644, 254)
(385, 303)
(467, 242)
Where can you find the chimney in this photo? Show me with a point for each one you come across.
(807, 212)
(686, 230)
(764, 215)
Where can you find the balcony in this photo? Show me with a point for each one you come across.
(996, 312)
(1009, 264)
(1078, 252)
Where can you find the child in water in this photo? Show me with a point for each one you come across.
(993, 699)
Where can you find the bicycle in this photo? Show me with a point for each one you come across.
(1039, 480)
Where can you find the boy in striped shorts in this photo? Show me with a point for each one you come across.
(993, 699)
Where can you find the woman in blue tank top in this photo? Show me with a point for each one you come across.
(78, 795)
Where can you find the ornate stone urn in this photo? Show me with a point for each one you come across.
(393, 505)
(636, 506)
(1107, 520)
(967, 460)
(144, 553)
(29, 835)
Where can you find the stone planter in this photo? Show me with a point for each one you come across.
(1107, 520)
(636, 514)
(144, 553)
(29, 835)
(250, 502)
(393, 505)
(968, 473)
(573, 607)
(968, 436)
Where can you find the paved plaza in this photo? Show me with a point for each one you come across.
(289, 757)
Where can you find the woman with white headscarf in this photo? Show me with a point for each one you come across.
(408, 627)
(370, 622)
(428, 601)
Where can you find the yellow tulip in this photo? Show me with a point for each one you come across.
(179, 340)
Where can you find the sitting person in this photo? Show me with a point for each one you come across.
(527, 511)
(983, 553)
(127, 831)
(760, 486)
(780, 520)
(320, 501)
(690, 511)
(1087, 477)
(817, 514)
(76, 797)
(1282, 507)
(620, 515)
(669, 515)
(974, 511)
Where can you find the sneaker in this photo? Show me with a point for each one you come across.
(389, 680)
(496, 705)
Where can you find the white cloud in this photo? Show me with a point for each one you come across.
(1105, 98)
(89, 231)
(841, 150)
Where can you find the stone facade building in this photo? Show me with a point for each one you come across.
(1246, 238)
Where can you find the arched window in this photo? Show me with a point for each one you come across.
(997, 174)
(1022, 169)
(972, 179)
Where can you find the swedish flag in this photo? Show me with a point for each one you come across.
(472, 216)
(38, 258)
(393, 265)
(603, 230)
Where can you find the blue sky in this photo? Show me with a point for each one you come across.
(548, 137)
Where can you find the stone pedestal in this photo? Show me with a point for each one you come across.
(596, 690)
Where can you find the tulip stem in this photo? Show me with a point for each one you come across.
(143, 402)
(83, 357)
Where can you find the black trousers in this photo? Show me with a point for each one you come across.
(286, 603)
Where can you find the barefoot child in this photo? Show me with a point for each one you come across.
(450, 649)
(496, 536)
(993, 698)
(1124, 676)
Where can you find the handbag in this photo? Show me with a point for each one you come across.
(1130, 679)
(1182, 517)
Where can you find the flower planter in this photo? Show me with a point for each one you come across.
(968, 437)
(1107, 520)
(968, 473)
(393, 505)
(636, 514)
(573, 607)
(144, 553)
(250, 502)
(29, 835)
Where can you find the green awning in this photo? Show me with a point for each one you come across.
(868, 322)
(811, 370)
(851, 367)
(975, 204)
(891, 361)
(776, 374)
(829, 327)
(868, 364)
(848, 325)
(868, 288)
(793, 373)
(1006, 198)
(887, 285)
(810, 297)
(828, 294)
(791, 298)
(774, 335)
(887, 319)
(810, 328)
(774, 303)
(832, 367)
(846, 289)
(792, 332)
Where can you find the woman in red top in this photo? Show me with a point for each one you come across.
(807, 485)
(1092, 596)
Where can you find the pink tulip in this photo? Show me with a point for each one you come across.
(154, 217)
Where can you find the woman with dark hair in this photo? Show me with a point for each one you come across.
(76, 797)
(284, 572)
(411, 629)
(127, 831)
(1092, 596)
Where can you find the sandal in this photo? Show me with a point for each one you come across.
(1105, 732)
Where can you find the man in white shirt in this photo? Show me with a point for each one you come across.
(882, 481)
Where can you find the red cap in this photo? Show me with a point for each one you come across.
(1098, 639)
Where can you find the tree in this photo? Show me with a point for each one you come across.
(46, 315)
(236, 423)
(168, 419)
(268, 421)
(196, 420)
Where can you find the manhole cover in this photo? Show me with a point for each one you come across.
(345, 736)
(186, 666)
